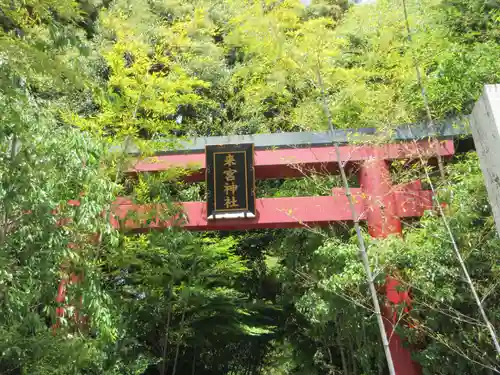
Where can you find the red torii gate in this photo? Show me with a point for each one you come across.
(377, 200)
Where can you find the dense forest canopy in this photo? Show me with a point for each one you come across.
(77, 77)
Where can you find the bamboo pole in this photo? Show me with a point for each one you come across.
(361, 242)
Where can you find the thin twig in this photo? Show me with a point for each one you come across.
(361, 242)
(438, 338)
(423, 92)
(479, 304)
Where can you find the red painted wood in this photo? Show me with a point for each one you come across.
(271, 213)
(282, 163)
(410, 199)
(61, 297)
(376, 183)
(384, 209)
(293, 212)
(399, 303)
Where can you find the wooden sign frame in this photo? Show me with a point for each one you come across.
(230, 179)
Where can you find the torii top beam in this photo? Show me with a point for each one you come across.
(445, 129)
(288, 155)
(297, 162)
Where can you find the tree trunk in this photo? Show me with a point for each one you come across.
(165, 342)
(345, 369)
(181, 324)
(353, 358)
(193, 363)
(5, 213)
(179, 342)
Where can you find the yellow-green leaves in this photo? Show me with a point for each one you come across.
(147, 84)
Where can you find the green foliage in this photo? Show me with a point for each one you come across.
(474, 20)
(448, 324)
(215, 68)
(77, 77)
(324, 287)
(43, 166)
(187, 285)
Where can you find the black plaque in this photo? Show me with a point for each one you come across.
(230, 177)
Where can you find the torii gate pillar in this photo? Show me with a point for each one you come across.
(376, 183)
(381, 213)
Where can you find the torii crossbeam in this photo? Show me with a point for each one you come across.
(406, 201)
